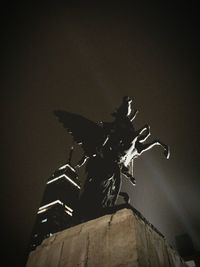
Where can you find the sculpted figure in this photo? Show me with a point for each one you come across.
(109, 148)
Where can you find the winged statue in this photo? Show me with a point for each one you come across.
(109, 149)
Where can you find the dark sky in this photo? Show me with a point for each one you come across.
(84, 59)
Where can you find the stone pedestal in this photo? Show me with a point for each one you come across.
(121, 239)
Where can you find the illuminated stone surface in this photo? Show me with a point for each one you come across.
(118, 240)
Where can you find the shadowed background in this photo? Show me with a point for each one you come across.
(84, 59)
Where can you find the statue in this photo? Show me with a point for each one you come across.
(109, 148)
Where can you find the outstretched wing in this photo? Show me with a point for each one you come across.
(84, 131)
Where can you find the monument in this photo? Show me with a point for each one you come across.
(104, 234)
(109, 148)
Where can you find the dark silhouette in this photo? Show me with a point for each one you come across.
(109, 148)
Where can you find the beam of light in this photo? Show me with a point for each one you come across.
(160, 180)
(66, 177)
(98, 73)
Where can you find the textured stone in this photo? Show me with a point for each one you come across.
(121, 239)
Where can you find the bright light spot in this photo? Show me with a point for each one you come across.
(190, 263)
(63, 167)
(68, 208)
(41, 211)
(68, 212)
(66, 177)
(43, 221)
(50, 204)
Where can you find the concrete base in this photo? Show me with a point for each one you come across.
(121, 239)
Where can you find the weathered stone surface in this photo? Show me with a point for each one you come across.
(121, 239)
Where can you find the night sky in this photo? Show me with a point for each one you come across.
(84, 59)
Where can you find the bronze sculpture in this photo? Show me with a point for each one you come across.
(109, 148)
